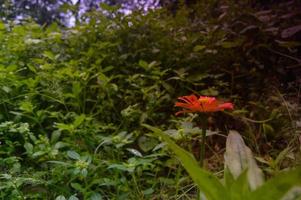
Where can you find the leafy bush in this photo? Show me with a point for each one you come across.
(72, 101)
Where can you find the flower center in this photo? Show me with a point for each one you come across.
(206, 100)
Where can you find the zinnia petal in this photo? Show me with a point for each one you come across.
(202, 104)
(188, 99)
(226, 106)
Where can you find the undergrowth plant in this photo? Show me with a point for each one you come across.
(242, 178)
(72, 100)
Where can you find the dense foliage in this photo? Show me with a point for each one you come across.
(73, 100)
(67, 12)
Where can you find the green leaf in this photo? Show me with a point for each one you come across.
(232, 44)
(147, 143)
(76, 89)
(78, 187)
(228, 178)
(107, 7)
(278, 186)
(95, 196)
(26, 106)
(38, 154)
(207, 182)
(84, 172)
(73, 155)
(66, 127)
(148, 191)
(28, 147)
(143, 64)
(6, 89)
(79, 120)
(119, 167)
(60, 145)
(135, 152)
(61, 197)
(49, 54)
(55, 136)
(73, 197)
(199, 48)
(293, 194)
(239, 189)
(281, 156)
(267, 129)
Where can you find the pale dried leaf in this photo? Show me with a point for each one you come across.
(238, 158)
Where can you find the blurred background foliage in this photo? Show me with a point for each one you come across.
(73, 94)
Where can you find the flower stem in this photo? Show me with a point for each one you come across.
(202, 153)
(203, 145)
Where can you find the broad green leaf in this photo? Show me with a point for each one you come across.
(121, 167)
(49, 54)
(293, 194)
(207, 182)
(84, 172)
(73, 155)
(67, 127)
(148, 191)
(61, 197)
(28, 147)
(38, 154)
(95, 196)
(228, 179)
(278, 186)
(135, 152)
(26, 106)
(6, 89)
(60, 145)
(73, 197)
(239, 189)
(55, 136)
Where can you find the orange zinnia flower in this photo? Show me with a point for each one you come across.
(202, 104)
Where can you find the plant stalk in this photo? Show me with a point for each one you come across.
(202, 152)
(203, 145)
